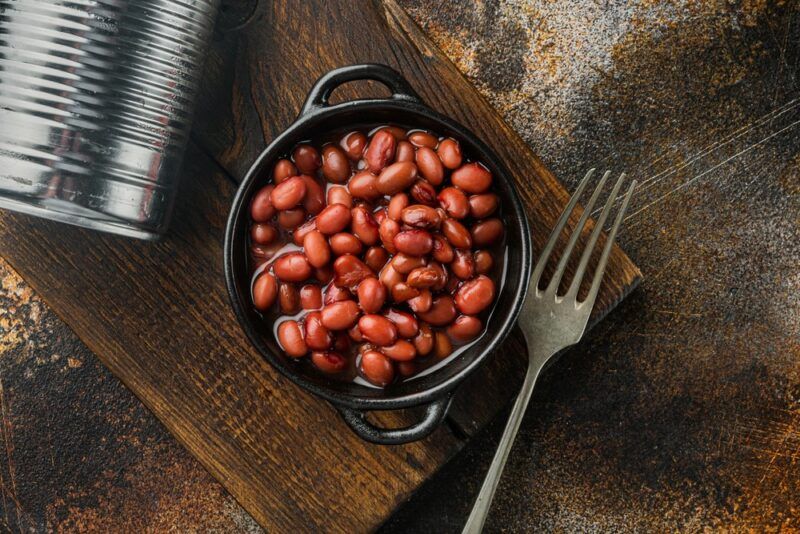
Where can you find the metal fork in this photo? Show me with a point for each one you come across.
(552, 322)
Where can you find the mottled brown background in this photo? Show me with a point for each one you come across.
(680, 411)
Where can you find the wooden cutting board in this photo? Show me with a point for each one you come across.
(157, 314)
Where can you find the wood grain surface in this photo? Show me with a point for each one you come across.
(157, 314)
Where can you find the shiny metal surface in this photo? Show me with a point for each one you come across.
(95, 106)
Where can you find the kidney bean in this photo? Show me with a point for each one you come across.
(379, 215)
(452, 284)
(289, 299)
(449, 152)
(283, 170)
(401, 292)
(487, 232)
(290, 337)
(407, 325)
(422, 302)
(442, 347)
(355, 334)
(349, 271)
(261, 208)
(423, 139)
(400, 351)
(314, 200)
(422, 277)
(465, 328)
(292, 267)
(263, 234)
(323, 274)
(413, 242)
(300, 233)
(396, 177)
(316, 335)
(344, 243)
(329, 362)
(291, 219)
(371, 295)
(407, 369)
(306, 158)
(475, 296)
(454, 202)
(472, 178)
(380, 150)
(483, 261)
(376, 258)
(389, 276)
(364, 185)
(341, 342)
(423, 193)
(338, 194)
(353, 144)
(481, 206)
(404, 264)
(456, 233)
(442, 311)
(377, 368)
(430, 166)
(463, 265)
(336, 293)
(377, 329)
(364, 226)
(420, 216)
(398, 133)
(262, 253)
(387, 231)
(442, 251)
(423, 341)
(333, 219)
(442, 276)
(397, 204)
(316, 249)
(265, 290)
(310, 297)
(405, 152)
(335, 165)
(340, 315)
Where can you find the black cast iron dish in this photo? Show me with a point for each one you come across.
(435, 390)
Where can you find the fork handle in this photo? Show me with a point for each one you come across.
(484, 501)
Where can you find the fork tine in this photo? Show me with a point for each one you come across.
(598, 227)
(562, 221)
(576, 233)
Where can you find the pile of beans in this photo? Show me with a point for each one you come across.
(376, 253)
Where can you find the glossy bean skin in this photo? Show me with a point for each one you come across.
(442, 250)
(472, 178)
(398, 133)
(291, 219)
(289, 299)
(396, 177)
(407, 369)
(423, 139)
(422, 302)
(283, 170)
(483, 261)
(349, 271)
(377, 368)
(420, 216)
(329, 362)
(364, 185)
(339, 315)
(339, 195)
(442, 311)
(263, 253)
(423, 341)
(423, 193)
(413, 242)
(380, 150)
(306, 158)
(442, 276)
(265, 291)
(323, 274)
(335, 164)
(336, 293)
(456, 233)
(430, 166)
(400, 351)
(423, 277)
(404, 264)
(475, 295)
(454, 202)
(364, 226)
(442, 347)
(463, 265)
(371, 295)
(449, 152)
(389, 277)
(407, 325)
(401, 292)
(316, 249)
(464, 329)
(353, 145)
(481, 206)
(377, 329)
(397, 204)
(292, 267)
(310, 297)
(376, 257)
(333, 219)
(344, 243)
(387, 231)
(405, 152)
(316, 335)
(487, 232)
(263, 233)
(261, 208)
(314, 199)
(299, 233)
(290, 337)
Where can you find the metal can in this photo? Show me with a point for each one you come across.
(96, 100)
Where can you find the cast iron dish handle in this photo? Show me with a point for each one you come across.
(321, 92)
(434, 414)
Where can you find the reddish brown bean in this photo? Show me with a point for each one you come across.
(292, 267)
(375, 258)
(341, 342)
(475, 296)
(380, 150)
(340, 315)
(377, 329)
(402, 292)
(353, 144)
(481, 206)
(349, 271)
(449, 152)
(364, 185)
(291, 219)
(335, 165)
(472, 178)
(405, 152)
(323, 274)
(396, 177)
(333, 219)
(314, 200)
(407, 325)
(423, 277)
(456, 233)
(422, 302)
(442, 251)
(464, 329)
(263, 234)
(355, 334)
(265, 290)
(400, 351)
(441, 274)
(398, 133)
(423, 193)
(407, 369)
(463, 265)
(329, 362)
(299, 234)
(404, 264)
(262, 253)
(487, 232)
(454, 202)
(377, 368)
(420, 216)
(336, 293)
(371, 295)
(344, 243)
(423, 139)
(442, 311)
(283, 170)
(387, 231)
(364, 226)
(483, 261)
(389, 276)
(430, 166)
(261, 208)
(306, 158)
(289, 299)
(397, 204)
(290, 337)
(452, 284)
(316, 249)
(413, 242)
(316, 335)
(340, 195)
(379, 215)
(310, 297)
(442, 347)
